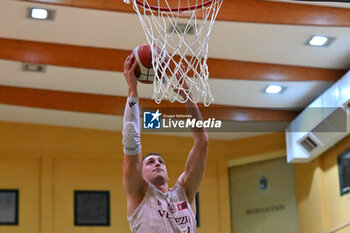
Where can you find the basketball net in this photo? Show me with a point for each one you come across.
(183, 34)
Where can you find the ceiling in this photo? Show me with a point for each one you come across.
(253, 43)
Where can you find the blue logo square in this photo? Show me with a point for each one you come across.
(152, 120)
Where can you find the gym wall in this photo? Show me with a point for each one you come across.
(321, 208)
(48, 163)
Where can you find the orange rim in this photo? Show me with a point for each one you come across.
(181, 9)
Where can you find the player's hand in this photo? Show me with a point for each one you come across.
(181, 79)
(129, 68)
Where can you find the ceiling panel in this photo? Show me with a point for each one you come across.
(226, 92)
(245, 55)
(267, 43)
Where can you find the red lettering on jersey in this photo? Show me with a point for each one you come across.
(182, 206)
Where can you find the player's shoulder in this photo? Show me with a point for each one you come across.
(178, 189)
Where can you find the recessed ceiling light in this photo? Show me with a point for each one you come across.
(320, 41)
(273, 89)
(33, 67)
(40, 13)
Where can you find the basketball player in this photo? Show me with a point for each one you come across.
(153, 207)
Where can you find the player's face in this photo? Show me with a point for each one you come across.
(154, 170)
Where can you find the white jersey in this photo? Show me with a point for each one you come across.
(163, 212)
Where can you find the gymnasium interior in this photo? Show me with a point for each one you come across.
(281, 165)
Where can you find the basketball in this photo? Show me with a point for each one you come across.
(144, 71)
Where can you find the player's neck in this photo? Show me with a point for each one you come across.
(163, 188)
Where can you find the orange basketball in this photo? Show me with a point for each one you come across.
(144, 71)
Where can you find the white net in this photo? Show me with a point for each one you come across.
(181, 30)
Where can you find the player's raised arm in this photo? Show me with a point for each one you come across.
(196, 160)
(133, 182)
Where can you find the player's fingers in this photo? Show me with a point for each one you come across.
(126, 63)
(179, 74)
(182, 67)
(134, 64)
(129, 62)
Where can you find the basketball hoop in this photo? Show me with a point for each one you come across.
(181, 29)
